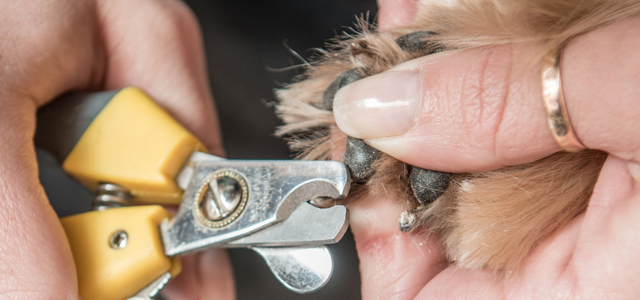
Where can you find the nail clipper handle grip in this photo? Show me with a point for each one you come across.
(119, 137)
(117, 252)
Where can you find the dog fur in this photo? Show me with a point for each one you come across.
(487, 220)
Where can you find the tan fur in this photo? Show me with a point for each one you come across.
(490, 219)
(494, 219)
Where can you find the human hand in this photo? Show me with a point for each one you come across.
(480, 109)
(50, 47)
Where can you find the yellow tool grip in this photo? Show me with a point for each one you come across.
(110, 268)
(135, 144)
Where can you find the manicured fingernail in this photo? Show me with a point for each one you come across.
(383, 105)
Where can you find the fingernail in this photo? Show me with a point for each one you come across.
(383, 105)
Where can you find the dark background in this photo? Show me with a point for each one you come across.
(245, 44)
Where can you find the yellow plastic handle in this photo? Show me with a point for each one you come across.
(135, 144)
(112, 269)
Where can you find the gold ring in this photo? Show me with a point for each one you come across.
(553, 98)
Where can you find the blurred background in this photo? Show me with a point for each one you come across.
(246, 43)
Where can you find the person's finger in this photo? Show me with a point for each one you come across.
(396, 13)
(36, 261)
(480, 109)
(457, 111)
(47, 48)
(156, 45)
(393, 264)
(608, 239)
(600, 74)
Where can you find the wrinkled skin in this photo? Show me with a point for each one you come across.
(477, 115)
(50, 47)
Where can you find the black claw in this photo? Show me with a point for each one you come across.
(414, 42)
(359, 157)
(428, 185)
(344, 79)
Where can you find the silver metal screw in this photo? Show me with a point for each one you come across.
(119, 239)
(221, 199)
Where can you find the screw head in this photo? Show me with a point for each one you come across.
(119, 239)
(221, 198)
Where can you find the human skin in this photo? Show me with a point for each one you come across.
(51, 47)
(595, 255)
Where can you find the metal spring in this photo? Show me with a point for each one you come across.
(109, 195)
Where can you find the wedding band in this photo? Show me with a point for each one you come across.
(553, 98)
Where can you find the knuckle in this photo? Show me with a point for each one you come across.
(176, 14)
(484, 97)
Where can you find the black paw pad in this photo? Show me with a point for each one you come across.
(415, 41)
(428, 185)
(344, 79)
(359, 158)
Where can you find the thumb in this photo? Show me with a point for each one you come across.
(480, 109)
